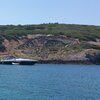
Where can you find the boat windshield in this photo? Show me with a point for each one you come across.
(9, 57)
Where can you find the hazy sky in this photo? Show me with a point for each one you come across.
(45, 11)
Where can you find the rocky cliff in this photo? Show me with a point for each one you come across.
(49, 47)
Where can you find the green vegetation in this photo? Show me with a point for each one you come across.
(82, 32)
(53, 41)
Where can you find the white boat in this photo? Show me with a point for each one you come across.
(13, 60)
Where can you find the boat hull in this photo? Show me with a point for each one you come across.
(18, 62)
(6, 62)
(27, 62)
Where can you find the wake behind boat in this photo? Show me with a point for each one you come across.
(13, 60)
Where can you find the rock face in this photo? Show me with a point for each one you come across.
(46, 47)
(95, 58)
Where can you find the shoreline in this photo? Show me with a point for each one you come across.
(64, 62)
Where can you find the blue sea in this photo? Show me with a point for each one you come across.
(50, 82)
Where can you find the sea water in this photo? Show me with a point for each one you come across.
(50, 82)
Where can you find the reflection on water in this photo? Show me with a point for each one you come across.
(50, 82)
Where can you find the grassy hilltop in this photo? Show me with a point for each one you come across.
(82, 32)
(50, 41)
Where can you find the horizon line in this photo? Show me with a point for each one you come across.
(49, 23)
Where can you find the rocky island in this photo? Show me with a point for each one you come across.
(52, 43)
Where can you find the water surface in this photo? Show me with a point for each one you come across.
(50, 82)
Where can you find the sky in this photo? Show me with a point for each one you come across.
(49, 11)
